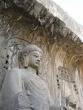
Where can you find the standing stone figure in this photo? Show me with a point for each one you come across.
(23, 89)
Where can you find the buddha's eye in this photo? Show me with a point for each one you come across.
(35, 56)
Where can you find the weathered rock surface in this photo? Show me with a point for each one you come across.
(48, 14)
(38, 22)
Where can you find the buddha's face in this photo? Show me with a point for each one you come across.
(33, 59)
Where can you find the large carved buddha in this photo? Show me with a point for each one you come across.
(23, 89)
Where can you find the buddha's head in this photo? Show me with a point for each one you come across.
(30, 56)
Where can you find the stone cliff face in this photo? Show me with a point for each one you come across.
(23, 22)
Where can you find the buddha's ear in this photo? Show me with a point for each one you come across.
(25, 61)
(20, 59)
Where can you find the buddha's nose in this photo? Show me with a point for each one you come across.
(38, 60)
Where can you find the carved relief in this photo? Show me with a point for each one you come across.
(65, 74)
(67, 86)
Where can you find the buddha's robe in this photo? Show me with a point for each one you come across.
(23, 90)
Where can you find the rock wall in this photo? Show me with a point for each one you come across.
(58, 67)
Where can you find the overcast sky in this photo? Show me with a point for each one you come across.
(73, 7)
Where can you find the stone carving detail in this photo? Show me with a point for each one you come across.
(71, 104)
(15, 45)
(65, 74)
(22, 87)
(68, 88)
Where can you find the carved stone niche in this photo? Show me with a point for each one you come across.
(66, 87)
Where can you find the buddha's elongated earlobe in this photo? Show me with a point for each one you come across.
(25, 61)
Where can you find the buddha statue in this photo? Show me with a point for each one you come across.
(23, 89)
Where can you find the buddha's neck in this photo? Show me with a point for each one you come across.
(32, 70)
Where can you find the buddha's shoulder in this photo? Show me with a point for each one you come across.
(15, 71)
(18, 71)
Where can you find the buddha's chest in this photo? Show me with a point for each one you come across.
(34, 84)
(37, 92)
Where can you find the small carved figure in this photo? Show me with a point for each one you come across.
(23, 89)
(71, 103)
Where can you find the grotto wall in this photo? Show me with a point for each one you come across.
(24, 22)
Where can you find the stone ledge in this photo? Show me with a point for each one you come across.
(48, 14)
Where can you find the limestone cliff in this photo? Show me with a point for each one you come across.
(43, 23)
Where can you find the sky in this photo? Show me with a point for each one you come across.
(73, 7)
